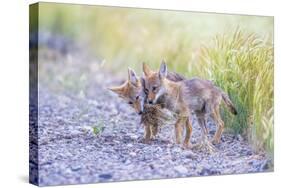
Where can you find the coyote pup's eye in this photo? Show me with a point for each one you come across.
(146, 91)
(154, 88)
(137, 97)
(130, 102)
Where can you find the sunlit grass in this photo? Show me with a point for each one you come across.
(242, 64)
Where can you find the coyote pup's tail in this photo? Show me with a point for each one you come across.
(228, 103)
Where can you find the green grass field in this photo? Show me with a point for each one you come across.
(234, 51)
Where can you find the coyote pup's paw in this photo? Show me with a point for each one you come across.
(145, 141)
(215, 141)
(153, 137)
(187, 146)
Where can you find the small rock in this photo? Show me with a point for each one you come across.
(133, 154)
(189, 154)
(87, 129)
(151, 166)
(75, 168)
(93, 102)
(75, 132)
(208, 171)
(129, 145)
(105, 176)
(240, 138)
(177, 149)
(265, 165)
(133, 136)
(181, 169)
(247, 152)
(116, 141)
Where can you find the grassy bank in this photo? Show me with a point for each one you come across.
(242, 64)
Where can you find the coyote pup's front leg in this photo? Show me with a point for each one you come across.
(179, 130)
(150, 132)
(147, 134)
(188, 130)
(183, 122)
(154, 131)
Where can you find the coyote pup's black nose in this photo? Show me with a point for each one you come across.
(140, 112)
(150, 102)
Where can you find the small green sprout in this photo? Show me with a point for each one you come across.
(98, 129)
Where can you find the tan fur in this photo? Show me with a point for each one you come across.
(194, 95)
(130, 91)
(146, 70)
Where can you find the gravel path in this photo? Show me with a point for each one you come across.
(73, 99)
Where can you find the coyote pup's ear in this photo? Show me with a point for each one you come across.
(163, 70)
(132, 77)
(146, 70)
(119, 90)
(143, 82)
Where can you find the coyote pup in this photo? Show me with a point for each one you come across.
(152, 116)
(195, 95)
